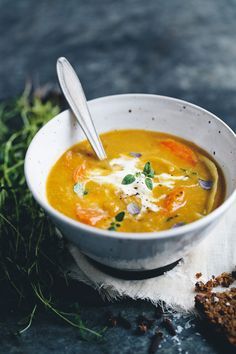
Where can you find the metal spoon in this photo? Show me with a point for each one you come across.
(74, 94)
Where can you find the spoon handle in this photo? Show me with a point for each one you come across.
(75, 96)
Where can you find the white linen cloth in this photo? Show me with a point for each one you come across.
(214, 255)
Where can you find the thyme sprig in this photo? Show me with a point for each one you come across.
(30, 250)
(118, 219)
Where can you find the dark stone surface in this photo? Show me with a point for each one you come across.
(48, 334)
(178, 48)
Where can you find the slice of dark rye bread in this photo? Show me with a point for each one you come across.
(218, 309)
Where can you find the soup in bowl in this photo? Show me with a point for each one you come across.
(169, 176)
(150, 181)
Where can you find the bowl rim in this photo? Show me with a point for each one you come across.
(167, 234)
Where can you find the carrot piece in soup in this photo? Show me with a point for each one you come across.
(90, 216)
(175, 200)
(180, 150)
(79, 172)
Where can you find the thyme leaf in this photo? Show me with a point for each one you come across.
(128, 179)
(120, 216)
(148, 171)
(149, 183)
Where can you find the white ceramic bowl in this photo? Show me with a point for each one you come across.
(134, 251)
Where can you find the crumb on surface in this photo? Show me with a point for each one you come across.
(198, 275)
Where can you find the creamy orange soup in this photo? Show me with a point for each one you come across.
(150, 181)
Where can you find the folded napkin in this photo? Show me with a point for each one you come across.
(214, 255)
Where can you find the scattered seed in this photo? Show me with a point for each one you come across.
(198, 275)
(111, 320)
(145, 321)
(142, 329)
(155, 341)
(123, 322)
(168, 324)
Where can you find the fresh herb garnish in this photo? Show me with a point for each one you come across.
(31, 252)
(149, 183)
(112, 228)
(128, 179)
(148, 171)
(120, 216)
